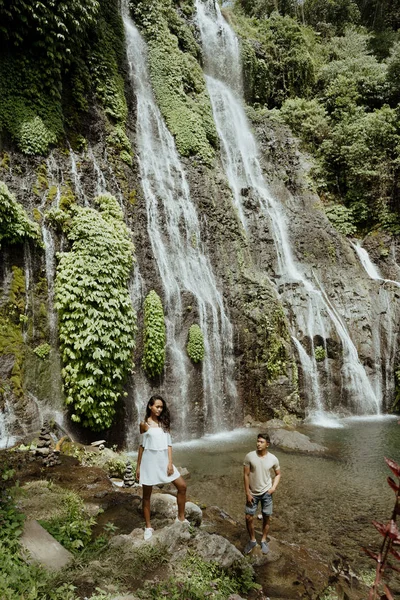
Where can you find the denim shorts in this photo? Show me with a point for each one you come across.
(266, 504)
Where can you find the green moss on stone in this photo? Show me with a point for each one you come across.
(11, 339)
(177, 78)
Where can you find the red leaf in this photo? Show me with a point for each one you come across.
(370, 554)
(393, 484)
(393, 531)
(395, 553)
(383, 529)
(393, 466)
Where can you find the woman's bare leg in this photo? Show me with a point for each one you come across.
(147, 489)
(180, 485)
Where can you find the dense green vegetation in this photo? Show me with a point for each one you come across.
(96, 318)
(176, 76)
(330, 70)
(195, 345)
(56, 61)
(15, 225)
(154, 335)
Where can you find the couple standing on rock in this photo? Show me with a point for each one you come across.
(154, 466)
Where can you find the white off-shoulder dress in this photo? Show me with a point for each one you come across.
(154, 463)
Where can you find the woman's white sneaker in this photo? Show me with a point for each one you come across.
(148, 532)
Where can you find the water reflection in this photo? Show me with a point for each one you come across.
(324, 502)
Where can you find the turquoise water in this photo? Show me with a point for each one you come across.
(323, 502)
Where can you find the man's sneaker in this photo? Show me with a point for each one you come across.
(148, 532)
(264, 547)
(249, 547)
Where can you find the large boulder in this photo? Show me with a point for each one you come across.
(294, 440)
(215, 548)
(163, 508)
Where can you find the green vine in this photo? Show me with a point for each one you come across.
(96, 318)
(15, 226)
(154, 335)
(195, 345)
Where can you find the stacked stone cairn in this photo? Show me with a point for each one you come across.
(43, 448)
(52, 459)
(129, 478)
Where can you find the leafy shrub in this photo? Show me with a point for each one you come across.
(199, 579)
(116, 466)
(74, 528)
(319, 353)
(307, 119)
(96, 318)
(42, 351)
(341, 218)
(35, 137)
(154, 335)
(195, 345)
(15, 225)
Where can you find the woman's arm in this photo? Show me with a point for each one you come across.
(142, 428)
(170, 468)
(139, 460)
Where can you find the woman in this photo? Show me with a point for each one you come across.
(154, 462)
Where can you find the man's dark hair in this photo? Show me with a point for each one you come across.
(265, 436)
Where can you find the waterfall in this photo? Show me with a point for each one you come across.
(174, 233)
(7, 419)
(385, 336)
(100, 180)
(76, 178)
(315, 317)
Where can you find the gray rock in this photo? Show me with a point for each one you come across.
(193, 513)
(163, 507)
(215, 548)
(294, 440)
(43, 548)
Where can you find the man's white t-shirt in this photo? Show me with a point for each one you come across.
(260, 479)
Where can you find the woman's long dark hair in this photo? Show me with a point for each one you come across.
(164, 418)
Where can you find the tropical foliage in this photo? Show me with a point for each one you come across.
(335, 84)
(96, 318)
(195, 345)
(154, 336)
(15, 225)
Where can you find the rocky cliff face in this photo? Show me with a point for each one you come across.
(288, 354)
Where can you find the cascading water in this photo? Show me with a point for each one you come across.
(173, 229)
(315, 316)
(385, 335)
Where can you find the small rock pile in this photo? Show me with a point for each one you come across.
(44, 444)
(52, 459)
(129, 478)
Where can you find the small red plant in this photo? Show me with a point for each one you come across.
(391, 540)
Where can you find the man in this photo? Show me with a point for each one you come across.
(258, 487)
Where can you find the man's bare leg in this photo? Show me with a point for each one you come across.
(250, 527)
(266, 521)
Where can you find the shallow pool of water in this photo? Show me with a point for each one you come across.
(324, 502)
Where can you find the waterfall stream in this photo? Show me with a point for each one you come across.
(315, 316)
(184, 268)
(384, 333)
